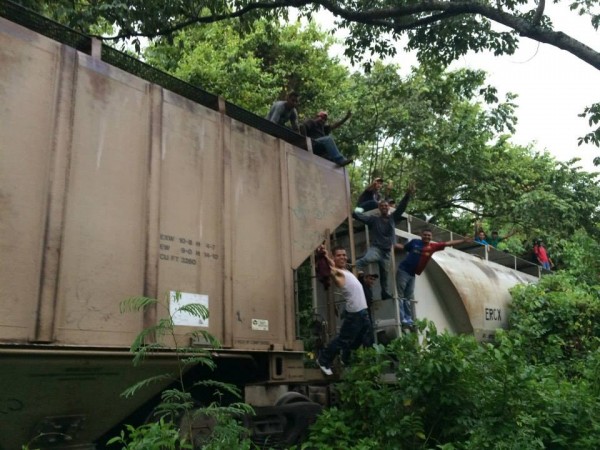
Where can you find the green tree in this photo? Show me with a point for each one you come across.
(437, 30)
(254, 69)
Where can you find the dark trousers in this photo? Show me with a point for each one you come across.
(356, 330)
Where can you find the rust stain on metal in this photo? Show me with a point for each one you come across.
(100, 86)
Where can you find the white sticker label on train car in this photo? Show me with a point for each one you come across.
(184, 318)
(260, 325)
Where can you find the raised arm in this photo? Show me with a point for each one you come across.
(340, 122)
(404, 202)
(458, 241)
(338, 276)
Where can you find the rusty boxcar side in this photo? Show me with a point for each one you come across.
(113, 187)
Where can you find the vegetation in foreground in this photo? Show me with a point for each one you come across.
(535, 387)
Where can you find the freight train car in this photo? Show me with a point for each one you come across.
(117, 181)
(113, 186)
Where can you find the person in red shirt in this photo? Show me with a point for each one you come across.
(419, 253)
(542, 255)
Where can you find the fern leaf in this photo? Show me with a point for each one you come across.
(131, 390)
(220, 386)
(195, 309)
(207, 337)
(199, 360)
(141, 352)
(133, 304)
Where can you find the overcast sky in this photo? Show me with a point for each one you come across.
(553, 86)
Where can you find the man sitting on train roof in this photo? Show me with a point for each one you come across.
(325, 146)
(371, 196)
(419, 253)
(284, 111)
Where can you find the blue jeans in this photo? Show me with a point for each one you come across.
(382, 258)
(325, 146)
(356, 330)
(405, 283)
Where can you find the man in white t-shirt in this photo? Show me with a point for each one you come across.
(356, 328)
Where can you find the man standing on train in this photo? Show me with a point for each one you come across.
(382, 231)
(419, 253)
(356, 328)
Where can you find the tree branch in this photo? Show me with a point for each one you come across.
(539, 12)
(210, 19)
(404, 17)
(470, 7)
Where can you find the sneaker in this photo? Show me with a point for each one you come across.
(326, 370)
(409, 327)
(344, 162)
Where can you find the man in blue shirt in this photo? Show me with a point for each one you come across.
(419, 252)
(481, 238)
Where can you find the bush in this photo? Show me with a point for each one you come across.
(535, 387)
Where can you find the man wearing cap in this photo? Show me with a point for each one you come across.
(382, 231)
(371, 196)
(356, 328)
(319, 132)
(284, 111)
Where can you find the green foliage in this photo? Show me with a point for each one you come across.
(579, 254)
(179, 411)
(254, 69)
(593, 115)
(536, 386)
(439, 32)
(447, 130)
(161, 434)
(560, 316)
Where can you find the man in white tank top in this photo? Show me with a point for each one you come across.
(356, 328)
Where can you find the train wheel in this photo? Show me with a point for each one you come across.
(291, 397)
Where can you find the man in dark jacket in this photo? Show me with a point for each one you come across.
(324, 145)
(382, 231)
